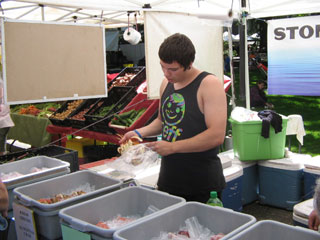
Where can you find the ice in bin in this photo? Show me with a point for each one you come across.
(270, 230)
(46, 215)
(53, 168)
(130, 201)
(216, 219)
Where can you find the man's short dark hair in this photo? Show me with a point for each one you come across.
(178, 47)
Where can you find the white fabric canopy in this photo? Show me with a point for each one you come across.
(113, 12)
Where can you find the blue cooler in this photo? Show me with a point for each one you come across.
(281, 182)
(232, 194)
(311, 173)
(301, 212)
(250, 181)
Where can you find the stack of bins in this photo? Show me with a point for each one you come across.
(46, 215)
(270, 230)
(281, 181)
(130, 201)
(232, 194)
(55, 167)
(301, 212)
(216, 219)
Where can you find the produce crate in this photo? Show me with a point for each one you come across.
(140, 76)
(55, 167)
(54, 151)
(270, 230)
(248, 144)
(81, 121)
(46, 215)
(129, 201)
(64, 122)
(216, 219)
(117, 99)
(138, 102)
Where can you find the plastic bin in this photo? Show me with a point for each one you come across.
(217, 219)
(46, 215)
(125, 202)
(117, 99)
(301, 212)
(270, 230)
(140, 76)
(76, 119)
(232, 194)
(68, 107)
(280, 182)
(248, 144)
(226, 158)
(55, 167)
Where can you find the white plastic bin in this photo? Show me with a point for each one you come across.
(217, 219)
(55, 167)
(125, 202)
(270, 230)
(46, 215)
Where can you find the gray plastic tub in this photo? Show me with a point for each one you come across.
(46, 215)
(125, 202)
(217, 219)
(55, 167)
(270, 230)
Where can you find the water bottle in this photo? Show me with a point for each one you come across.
(214, 200)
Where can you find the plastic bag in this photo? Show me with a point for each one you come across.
(241, 114)
(136, 158)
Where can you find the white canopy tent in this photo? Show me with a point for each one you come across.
(114, 13)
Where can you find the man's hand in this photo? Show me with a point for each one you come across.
(4, 200)
(163, 148)
(127, 136)
(313, 220)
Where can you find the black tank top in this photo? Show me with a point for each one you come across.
(187, 173)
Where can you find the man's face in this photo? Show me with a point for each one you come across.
(173, 72)
(261, 86)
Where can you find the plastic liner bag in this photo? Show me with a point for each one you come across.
(242, 114)
(192, 230)
(136, 159)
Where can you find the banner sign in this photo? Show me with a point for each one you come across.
(294, 56)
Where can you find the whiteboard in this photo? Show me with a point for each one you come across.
(44, 61)
(206, 36)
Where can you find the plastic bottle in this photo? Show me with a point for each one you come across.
(214, 200)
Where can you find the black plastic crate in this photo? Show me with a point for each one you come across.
(98, 152)
(65, 154)
(139, 72)
(118, 98)
(85, 106)
(64, 122)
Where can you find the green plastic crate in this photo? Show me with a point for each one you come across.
(248, 144)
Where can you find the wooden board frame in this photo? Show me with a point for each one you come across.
(50, 61)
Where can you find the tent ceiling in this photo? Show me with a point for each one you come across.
(114, 12)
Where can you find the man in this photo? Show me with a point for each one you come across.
(192, 119)
(258, 97)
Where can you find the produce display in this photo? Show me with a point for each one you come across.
(118, 221)
(128, 118)
(104, 110)
(39, 109)
(122, 80)
(80, 115)
(71, 106)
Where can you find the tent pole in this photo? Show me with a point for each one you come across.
(231, 67)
